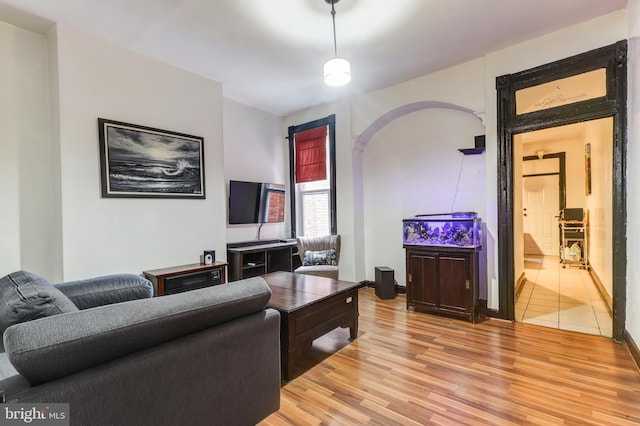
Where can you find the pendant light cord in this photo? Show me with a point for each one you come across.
(333, 17)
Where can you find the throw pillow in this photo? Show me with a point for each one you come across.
(25, 296)
(319, 257)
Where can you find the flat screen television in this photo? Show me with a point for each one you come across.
(255, 202)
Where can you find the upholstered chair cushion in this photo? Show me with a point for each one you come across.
(320, 256)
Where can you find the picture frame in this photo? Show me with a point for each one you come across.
(145, 162)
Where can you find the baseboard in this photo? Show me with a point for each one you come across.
(603, 292)
(399, 289)
(493, 313)
(633, 348)
(520, 284)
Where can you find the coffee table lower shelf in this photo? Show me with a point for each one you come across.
(309, 308)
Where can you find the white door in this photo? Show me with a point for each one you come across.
(540, 204)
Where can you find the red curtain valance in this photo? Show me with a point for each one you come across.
(311, 155)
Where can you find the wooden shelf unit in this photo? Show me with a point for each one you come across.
(254, 258)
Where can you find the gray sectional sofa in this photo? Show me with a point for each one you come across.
(203, 357)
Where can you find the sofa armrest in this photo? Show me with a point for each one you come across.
(56, 346)
(106, 290)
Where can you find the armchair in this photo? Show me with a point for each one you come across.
(320, 256)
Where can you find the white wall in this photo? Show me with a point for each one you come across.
(254, 146)
(53, 220)
(403, 176)
(36, 185)
(599, 134)
(11, 40)
(25, 184)
(56, 250)
(470, 86)
(106, 235)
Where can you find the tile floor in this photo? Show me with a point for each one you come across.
(564, 298)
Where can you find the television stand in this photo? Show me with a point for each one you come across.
(254, 258)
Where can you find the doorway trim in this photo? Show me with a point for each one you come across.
(614, 59)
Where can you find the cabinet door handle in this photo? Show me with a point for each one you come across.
(410, 278)
(467, 284)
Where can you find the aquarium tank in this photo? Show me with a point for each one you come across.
(460, 229)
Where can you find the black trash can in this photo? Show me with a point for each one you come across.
(385, 283)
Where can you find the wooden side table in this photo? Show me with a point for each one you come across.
(177, 279)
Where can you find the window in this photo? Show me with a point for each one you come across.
(312, 178)
(314, 209)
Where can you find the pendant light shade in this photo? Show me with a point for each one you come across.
(337, 72)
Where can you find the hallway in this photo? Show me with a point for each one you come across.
(561, 298)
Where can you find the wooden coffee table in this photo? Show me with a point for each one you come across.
(310, 307)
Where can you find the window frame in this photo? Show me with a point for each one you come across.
(330, 122)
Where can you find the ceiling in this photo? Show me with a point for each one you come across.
(269, 54)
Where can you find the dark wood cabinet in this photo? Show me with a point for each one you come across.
(177, 279)
(443, 280)
(253, 259)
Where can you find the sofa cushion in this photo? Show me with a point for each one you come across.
(57, 346)
(106, 290)
(319, 257)
(25, 296)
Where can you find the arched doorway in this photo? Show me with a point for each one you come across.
(397, 167)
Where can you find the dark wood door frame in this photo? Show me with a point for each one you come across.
(614, 59)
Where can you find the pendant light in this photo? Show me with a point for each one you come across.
(337, 71)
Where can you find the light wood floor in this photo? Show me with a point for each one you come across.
(409, 368)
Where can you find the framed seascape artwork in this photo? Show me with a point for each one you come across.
(137, 162)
